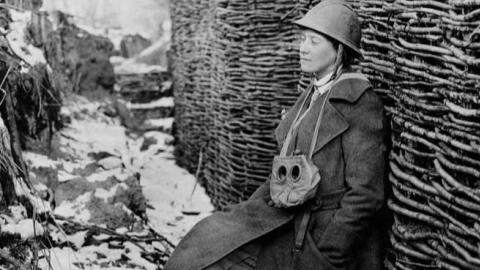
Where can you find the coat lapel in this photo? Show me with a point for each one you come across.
(284, 125)
(332, 125)
(348, 88)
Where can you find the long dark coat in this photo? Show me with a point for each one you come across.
(350, 154)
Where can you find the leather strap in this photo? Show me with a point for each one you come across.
(326, 201)
(286, 143)
(290, 133)
(302, 229)
(317, 126)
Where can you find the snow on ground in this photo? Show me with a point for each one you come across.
(170, 198)
(131, 66)
(16, 38)
(175, 208)
(167, 186)
(160, 122)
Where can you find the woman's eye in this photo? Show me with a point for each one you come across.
(315, 41)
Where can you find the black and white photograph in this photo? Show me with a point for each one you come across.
(240, 134)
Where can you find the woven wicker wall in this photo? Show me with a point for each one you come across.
(423, 57)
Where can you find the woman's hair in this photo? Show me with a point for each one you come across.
(345, 57)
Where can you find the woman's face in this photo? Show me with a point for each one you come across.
(317, 53)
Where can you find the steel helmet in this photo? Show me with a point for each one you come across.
(336, 19)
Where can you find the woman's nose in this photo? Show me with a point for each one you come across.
(303, 48)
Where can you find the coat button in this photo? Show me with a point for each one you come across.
(270, 203)
(317, 204)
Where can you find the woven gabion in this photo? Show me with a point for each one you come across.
(423, 57)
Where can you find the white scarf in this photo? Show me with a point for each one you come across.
(321, 85)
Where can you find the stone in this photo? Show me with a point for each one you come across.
(110, 163)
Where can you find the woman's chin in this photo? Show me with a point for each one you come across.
(307, 70)
(307, 67)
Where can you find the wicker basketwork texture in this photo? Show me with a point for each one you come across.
(423, 57)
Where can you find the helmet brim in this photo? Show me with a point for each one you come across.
(306, 24)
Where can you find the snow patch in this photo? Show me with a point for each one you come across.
(35, 160)
(165, 123)
(27, 228)
(16, 37)
(76, 209)
(110, 163)
(118, 173)
(162, 102)
(64, 176)
(77, 239)
(131, 66)
(106, 194)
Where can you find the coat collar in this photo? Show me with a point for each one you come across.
(348, 88)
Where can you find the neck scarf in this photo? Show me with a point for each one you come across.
(321, 85)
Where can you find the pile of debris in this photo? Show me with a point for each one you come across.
(132, 45)
(424, 58)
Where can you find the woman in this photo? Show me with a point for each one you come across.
(337, 229)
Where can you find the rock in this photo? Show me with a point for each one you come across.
(132, 45)
(126, 117)
(147, 142)
(110, 163)
(100, 155)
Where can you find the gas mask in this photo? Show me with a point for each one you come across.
(294, 180)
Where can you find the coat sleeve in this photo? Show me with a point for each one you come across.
(364, 154)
